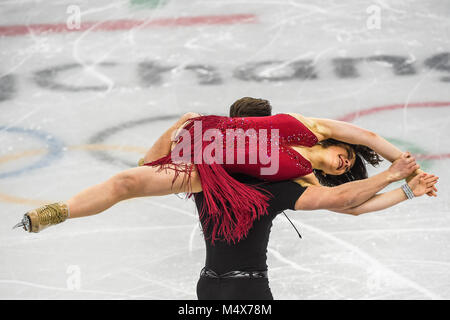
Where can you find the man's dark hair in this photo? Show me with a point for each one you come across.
(250, 107)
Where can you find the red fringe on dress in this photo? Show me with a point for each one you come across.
(230, 206)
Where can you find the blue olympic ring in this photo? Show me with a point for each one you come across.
(55, 150)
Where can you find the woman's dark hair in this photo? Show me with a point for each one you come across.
(250, 107)
(363, 155)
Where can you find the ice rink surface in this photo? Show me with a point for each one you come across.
(81, 102)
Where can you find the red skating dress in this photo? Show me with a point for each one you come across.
(214, 145)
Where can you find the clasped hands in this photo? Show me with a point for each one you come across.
(405, 167)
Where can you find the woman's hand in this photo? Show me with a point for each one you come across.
(432, 192)
(423, 183)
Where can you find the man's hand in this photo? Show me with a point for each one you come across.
(423, 183)
(403, 167)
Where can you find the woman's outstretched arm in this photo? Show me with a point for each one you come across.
(420, 185)
(347, 132)
(350, 133)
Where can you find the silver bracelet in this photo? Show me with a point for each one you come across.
(408, 192)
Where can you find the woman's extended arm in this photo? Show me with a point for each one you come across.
(347, 132)
(350, 133)
(420, 185)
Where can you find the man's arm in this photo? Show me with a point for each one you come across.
(352, 194)
(420, 185)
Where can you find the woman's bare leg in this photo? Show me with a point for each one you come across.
(132, 183)
(137, 182)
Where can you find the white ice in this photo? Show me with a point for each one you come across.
(62, 130)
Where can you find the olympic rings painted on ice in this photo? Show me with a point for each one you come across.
(53, 151)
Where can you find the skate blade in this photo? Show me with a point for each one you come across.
(19, 225)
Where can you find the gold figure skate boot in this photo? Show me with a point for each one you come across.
(43, 217)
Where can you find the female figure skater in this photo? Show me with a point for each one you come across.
(230, 206)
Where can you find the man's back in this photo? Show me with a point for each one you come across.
(249, 254)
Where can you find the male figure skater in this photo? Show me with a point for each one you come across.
(239, 270)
